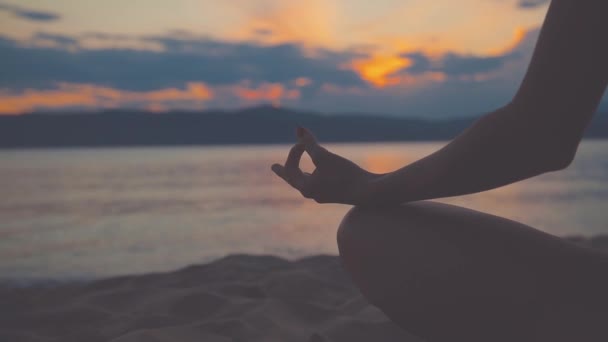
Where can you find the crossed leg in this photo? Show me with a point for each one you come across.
(447, 273)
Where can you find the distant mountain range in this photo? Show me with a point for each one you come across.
(257, 125)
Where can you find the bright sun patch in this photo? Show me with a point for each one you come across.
(378, 69)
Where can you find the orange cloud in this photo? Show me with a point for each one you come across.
(194, 94)
(377, 69)
(86, 95)
(397, 84)
(272, 92)
(32, 99)
(302, 81)
(193, 91)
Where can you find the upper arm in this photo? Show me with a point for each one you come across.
(568, 73)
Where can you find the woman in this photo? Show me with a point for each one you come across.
(447, 273)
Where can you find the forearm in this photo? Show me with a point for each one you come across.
(495, 151)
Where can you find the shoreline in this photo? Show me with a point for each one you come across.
(599, 241)
(235, 298)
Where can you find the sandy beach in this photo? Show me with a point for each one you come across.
(236, 298)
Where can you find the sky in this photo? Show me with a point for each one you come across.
(400, 57)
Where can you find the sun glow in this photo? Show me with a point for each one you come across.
(378, 69)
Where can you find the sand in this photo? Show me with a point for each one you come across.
(237, 298)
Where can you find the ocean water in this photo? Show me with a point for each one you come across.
(89, 213)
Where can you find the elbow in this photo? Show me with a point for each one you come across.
(549, 149)
(558, 162)
(557, 157)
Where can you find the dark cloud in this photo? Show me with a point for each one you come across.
(56, 39)
(421, 63)
(532, 3)
(457, 65)
(452, 64)
(106, 36)
(29, 14)
(185, 57)
(182, 59)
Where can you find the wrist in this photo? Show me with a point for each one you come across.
(371, 191)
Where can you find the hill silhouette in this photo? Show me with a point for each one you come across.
(256, 125)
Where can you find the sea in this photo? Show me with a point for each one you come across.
(85, 213)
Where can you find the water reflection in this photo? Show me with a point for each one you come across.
(385, 161)
(83, 212)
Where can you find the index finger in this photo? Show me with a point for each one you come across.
(311, 145)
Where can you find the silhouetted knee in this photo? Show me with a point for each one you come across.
(358, 231)
(368, 248)
(353, 228)
(366, 230)
(438, 271)
(354, 247)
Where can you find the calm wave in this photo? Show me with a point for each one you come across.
(83, 213)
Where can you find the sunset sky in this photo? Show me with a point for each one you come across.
(403, 57)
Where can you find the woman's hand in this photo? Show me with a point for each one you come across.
(335, 179)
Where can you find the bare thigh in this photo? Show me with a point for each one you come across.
(447, 273)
